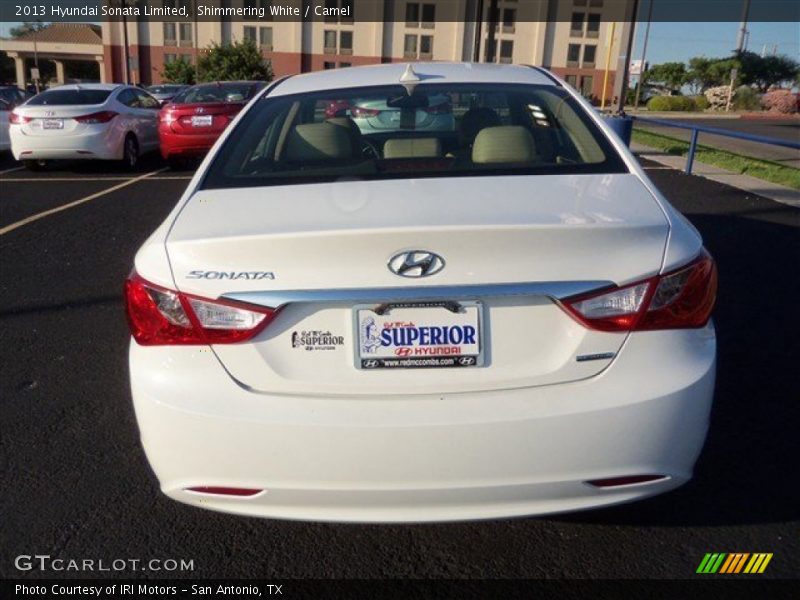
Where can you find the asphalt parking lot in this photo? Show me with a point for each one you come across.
(76, 483)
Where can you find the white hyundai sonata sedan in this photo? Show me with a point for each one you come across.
(85, 121)
(501, 319)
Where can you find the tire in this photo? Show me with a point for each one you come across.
(130, 153)
(35, 165)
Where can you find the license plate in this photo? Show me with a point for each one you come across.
(53, 124)
(419, 335)
(203, 121)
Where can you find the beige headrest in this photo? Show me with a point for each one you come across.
(504, 144)
(319, 141)
(412, 148)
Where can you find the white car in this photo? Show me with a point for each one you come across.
(508, 319)
(85, 121)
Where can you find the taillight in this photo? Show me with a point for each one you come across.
(158, 316)
(364, 112)
(680, 299)
(103, 116)
(439, 109)
(18, 119)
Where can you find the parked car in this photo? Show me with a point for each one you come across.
(416, 324)
(85, 121)
(191, 123)
(10, 97)
(376, 114)
(165, 92)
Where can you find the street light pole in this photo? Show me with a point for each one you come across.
(643, 67)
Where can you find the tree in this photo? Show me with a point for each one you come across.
(237, 61)
(26, 28)
(672, 75)
(179, 71)
(764, 72)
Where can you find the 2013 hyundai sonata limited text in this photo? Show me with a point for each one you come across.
(492, 317)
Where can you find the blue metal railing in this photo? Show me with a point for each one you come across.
(696, 129)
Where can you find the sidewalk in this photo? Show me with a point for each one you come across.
(746, 183)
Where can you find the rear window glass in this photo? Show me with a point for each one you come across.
(438, 130)
(164, 89)
(67, 97)
(225, 92)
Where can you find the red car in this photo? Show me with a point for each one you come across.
(190, 124)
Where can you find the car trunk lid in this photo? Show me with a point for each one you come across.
(509, 254)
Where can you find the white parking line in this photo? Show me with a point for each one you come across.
(12, 170)
(43, 214)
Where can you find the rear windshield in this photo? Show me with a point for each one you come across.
(67, 97)
(438, 130)
(217, 92)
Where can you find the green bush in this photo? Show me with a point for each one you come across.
(746, 98)
(671, 103)
(701, 102)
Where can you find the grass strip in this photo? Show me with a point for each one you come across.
(736, 163)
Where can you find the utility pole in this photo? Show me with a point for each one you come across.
(643, 69)
(36, 55)
(623, 89)
(741, 43)
(478, 32)
(125, 48)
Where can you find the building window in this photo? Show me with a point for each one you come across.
(589, 53)
(410, 46)
(506, 51)
(572, 80)
(340, 11)
(428, 16)
(579, 2)
(412, 14)
(573, 55)
(576, 25)
(595, 3)
(170, 34)
(593, 25)
(344, 65)
(332, 17)
(185, 31)
(587, 83)
(250, 34)
(426, 46)
(509, 20)
(345, 42)
(330, 42)
(170, 58)
(265, 38)
(328, 65)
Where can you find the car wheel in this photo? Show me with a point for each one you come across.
(130, 153)
(35, 165)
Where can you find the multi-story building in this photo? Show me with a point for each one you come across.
(581, 40)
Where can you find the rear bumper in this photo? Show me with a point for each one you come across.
(175, 144)
(427, 458)
(105, 144)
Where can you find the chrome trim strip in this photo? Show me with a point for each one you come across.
(552, 289)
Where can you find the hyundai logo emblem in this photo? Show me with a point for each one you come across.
(416, 263)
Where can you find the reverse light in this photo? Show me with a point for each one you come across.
(680, 299)
(103, 116)
(158, 316)
(18, 119)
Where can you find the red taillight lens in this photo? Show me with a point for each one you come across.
(439, 109)
(17, 119)
(364, 112)
(680, 299)
(159, 316)
(103, 116)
